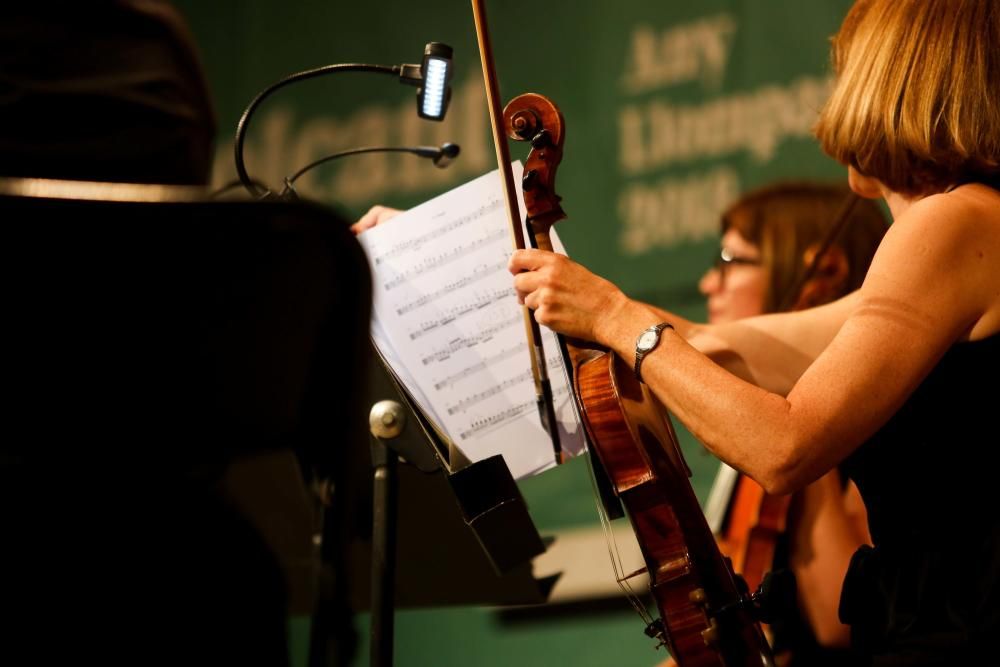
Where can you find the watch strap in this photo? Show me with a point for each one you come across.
(641, 354)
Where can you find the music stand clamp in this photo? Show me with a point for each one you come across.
(463, 535)
(490, 501)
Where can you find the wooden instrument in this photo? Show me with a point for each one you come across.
(754, 521)
(705, 616)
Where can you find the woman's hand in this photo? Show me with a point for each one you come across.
(376, 215)
(564, 296)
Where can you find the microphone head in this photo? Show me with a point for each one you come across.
(447, 153)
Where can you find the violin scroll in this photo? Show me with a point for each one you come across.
(534, 118)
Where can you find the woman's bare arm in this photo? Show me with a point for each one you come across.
(931, 283)
(770, 351)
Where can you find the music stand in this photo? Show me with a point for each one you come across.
(444, 530)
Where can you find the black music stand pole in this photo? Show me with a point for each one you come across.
(386, 421)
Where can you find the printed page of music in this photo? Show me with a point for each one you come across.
(446, 318)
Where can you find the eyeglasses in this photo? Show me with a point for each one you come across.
(727, 259)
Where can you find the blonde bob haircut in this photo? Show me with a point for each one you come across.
(916, 102)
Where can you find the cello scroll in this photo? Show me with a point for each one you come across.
(532, 117)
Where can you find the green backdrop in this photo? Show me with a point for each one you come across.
(672, 110)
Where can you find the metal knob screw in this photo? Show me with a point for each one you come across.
(386, 419)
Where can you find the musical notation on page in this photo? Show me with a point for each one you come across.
(446, 312)
(478, 366)
(467, 342)
(442, 259)
(481, 423)
(477, 274)
(479, 301)
(418, 242)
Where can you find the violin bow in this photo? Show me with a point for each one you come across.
(539, 367)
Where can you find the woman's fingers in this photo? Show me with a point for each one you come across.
(564, 296)
(376, 215)
(527, 283)
(530, 260)
(536, 272)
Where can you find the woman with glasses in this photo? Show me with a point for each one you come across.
(771, 237)
(789, 246)
(895, 382)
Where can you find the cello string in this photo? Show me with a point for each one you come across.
(615, 554)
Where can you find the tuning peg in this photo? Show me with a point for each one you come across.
(529, 180)
(541, 140)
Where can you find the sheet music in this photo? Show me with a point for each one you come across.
(446, 318)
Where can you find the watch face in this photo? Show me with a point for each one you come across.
(647, 341)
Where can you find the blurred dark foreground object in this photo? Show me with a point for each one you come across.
(156, 342)
(110, 90)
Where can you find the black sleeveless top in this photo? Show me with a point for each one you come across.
(929, 592)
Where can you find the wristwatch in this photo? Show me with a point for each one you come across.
(646, 343)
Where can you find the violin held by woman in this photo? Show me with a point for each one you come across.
(884, 380)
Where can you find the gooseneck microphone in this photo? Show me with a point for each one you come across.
(441, 156)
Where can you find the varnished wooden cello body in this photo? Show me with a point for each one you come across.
(705, 615)
(754, 521)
